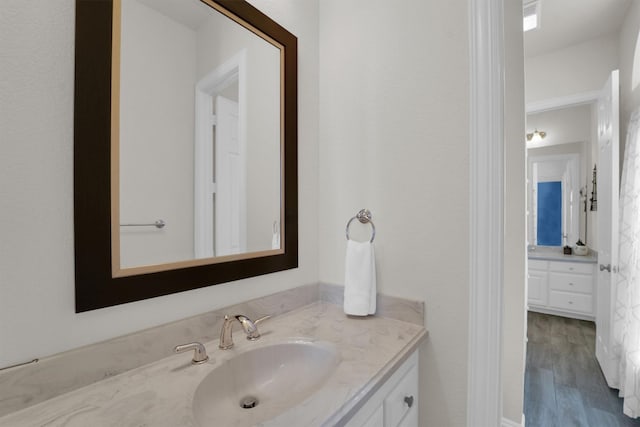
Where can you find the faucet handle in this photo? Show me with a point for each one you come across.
(262, 319)
(199, 354)
(256, 334)
(250, 327)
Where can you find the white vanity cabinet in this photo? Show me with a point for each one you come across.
(538, 278)
(565, 288)
(395, 403)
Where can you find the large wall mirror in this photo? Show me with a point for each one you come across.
(555, 203)
(185, 147)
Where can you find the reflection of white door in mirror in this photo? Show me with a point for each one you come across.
(231, 190)
(220, 160)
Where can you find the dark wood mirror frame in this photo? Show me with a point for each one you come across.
(94, 284)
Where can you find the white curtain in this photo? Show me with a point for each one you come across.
(626, 319)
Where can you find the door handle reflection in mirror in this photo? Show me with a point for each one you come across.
(605, 267)
(409, 401)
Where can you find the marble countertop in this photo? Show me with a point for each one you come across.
(161, 393)
(555, 254)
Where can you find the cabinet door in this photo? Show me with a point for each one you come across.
(376, 420)
(388, 406)
(411, 420)
(402, 400)
(537, 293)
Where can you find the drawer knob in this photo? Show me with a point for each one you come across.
(570, 283)
(570, 302)
(409, 401)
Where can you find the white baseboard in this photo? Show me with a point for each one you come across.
(508, 423)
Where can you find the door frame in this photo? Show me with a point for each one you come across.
(486, 281)
(562, 102)
(486, 252)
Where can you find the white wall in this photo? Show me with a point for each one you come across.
(37, 315)
(563, 126)
(394, 120)
(580, 68)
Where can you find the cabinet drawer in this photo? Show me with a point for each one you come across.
(402, 399)
(379, 409)
(571, 267)
(571, 301)
(537, 264)
(571, 282)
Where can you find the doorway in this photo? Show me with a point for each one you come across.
(564, 285)
(220, 160)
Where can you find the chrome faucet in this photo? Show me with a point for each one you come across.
(199, 352)
(248, 326)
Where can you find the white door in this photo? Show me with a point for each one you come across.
(607, 184)
(230, 165)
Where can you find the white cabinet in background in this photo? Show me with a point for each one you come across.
(537, 287)
(395, 403)
(564, 288)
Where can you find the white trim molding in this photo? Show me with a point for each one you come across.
(486, 43)
(562, 102)
(508, 423)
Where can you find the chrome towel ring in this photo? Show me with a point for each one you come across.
(364, 216)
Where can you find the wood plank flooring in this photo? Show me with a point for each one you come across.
(564, 386)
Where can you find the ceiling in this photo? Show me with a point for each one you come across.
(567, 22)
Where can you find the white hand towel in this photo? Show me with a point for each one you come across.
(360, 279)
(275, 240)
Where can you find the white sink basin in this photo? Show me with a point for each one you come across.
(278, 376)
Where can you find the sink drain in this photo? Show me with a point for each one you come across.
(249, 402)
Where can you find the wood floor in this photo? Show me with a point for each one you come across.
(564, 385)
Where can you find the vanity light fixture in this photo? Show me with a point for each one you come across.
(536, 135)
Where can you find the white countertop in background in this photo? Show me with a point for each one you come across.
(555, 254)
